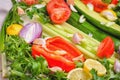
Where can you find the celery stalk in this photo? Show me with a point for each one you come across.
(63, 33)
(90, 39)
(52, 33)
(85, 44)
(62, 30)
(49, 31)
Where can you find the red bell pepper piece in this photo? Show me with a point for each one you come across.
(65, 61)
(106, 48)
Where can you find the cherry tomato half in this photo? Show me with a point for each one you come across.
(106, 48)
(114, 2)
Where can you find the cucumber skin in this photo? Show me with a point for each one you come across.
(87, 28)
(98, 24)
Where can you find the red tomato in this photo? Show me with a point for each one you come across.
(114, 2)
(98, 4)
(60, 15)
(87, 1)
(30, 2)
(58, 11)
(106, 48)
(55, 4)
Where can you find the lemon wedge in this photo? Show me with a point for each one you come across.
(90, 64)
(14, 29)
(78, 74)
(109, 14)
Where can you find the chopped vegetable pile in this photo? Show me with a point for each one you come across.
(61, 40)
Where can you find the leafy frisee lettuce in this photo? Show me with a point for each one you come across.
(106, 1)
(117, 10)
(11, 18)
(40, 12)
(23, 66)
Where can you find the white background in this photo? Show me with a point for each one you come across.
(5, 6)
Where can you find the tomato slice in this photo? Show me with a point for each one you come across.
(114, 2)
(55, 4)
(60, 15)
(58, 11)
(106, 48)
(98, 4)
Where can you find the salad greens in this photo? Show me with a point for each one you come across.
(95, 76)
(40, 12)
(18, 51)
(110, 75)
(23, 66)
(117, 10)
(107, 1)
(11, 18)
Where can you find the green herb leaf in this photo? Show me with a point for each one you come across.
(40, 12)
(95, 76)
(11, 18)
(106, 63)
(107, 1)
(23, 66)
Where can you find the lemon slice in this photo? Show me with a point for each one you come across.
(78, 74)
(94, 64)
(109, 14)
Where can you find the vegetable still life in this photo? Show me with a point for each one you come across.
(61, 40)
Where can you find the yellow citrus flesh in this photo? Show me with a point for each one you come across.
(14, 29)
(109, 14)
(90, 64)
(78, 74)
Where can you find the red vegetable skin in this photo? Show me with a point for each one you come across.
(30, 2)
(61, 60)
(98, 4)
(58, 43)
(114, 2)
(53, 60)
(58, 11)
(106, 48)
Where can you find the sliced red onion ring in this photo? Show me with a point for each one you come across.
(55, 69)
(77, 38)
(31, 31)
(117, 66)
